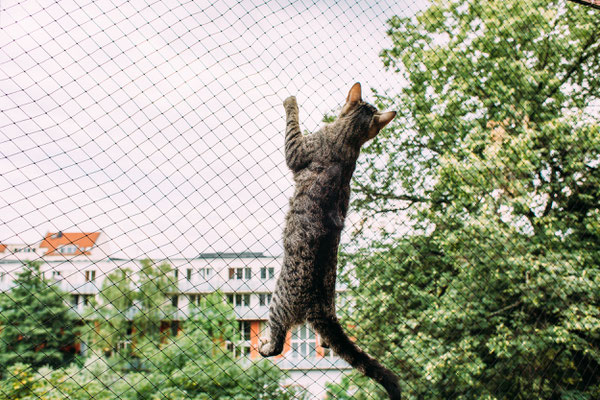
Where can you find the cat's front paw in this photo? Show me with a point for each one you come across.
(290, 104)
(266, 348)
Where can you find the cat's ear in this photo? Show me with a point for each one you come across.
(354, 95)
(353, 98)
(385, 118)
(379, 121)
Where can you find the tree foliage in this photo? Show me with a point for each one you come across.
(483, 280)
(132, 309)
(109, 322)
(192, 365)
(37, 325)
(152, 305)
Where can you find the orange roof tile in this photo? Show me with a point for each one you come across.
(72, 243)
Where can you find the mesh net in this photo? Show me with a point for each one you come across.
(144, 188)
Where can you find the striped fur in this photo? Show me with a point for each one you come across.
(323, 164)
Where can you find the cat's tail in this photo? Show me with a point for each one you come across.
(333, 334)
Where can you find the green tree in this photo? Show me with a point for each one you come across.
(37, 326)
(111, 321)
(196, 364)
(193, 365)
(490, 288)
(133, 307)
(152, 305)
(210, 325)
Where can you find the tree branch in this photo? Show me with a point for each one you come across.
(588, 3)
(582, 57)
(500, 311)
(373, 194)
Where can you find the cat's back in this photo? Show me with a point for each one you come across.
(322, 155)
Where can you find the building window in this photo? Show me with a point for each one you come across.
(264, 299)
(174, 328)
(123, 345)
(205, 273)
(239, 350)
(86, 299)
(188, 274)
(175, 301)
(2, 276)
(244, 330)
(239, 300)
(90, 275)
(74, 300)
(242, 347)
(267, 273)
(303, 342)
(176, 273)
(68, 249)
(56, 274)
(195, 299)
(240, 273)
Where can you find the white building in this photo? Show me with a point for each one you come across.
(78, 262)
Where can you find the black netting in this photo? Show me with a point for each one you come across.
(143, 192)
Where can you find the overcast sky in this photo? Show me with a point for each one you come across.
(160, 123)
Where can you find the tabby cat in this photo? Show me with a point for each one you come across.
(322, 164)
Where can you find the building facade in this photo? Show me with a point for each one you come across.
(78, 262)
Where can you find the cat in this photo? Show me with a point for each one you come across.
(322, 164)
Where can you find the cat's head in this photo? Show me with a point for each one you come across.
(362, 120)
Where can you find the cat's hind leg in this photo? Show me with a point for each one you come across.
(271, 344)
(328, 327)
